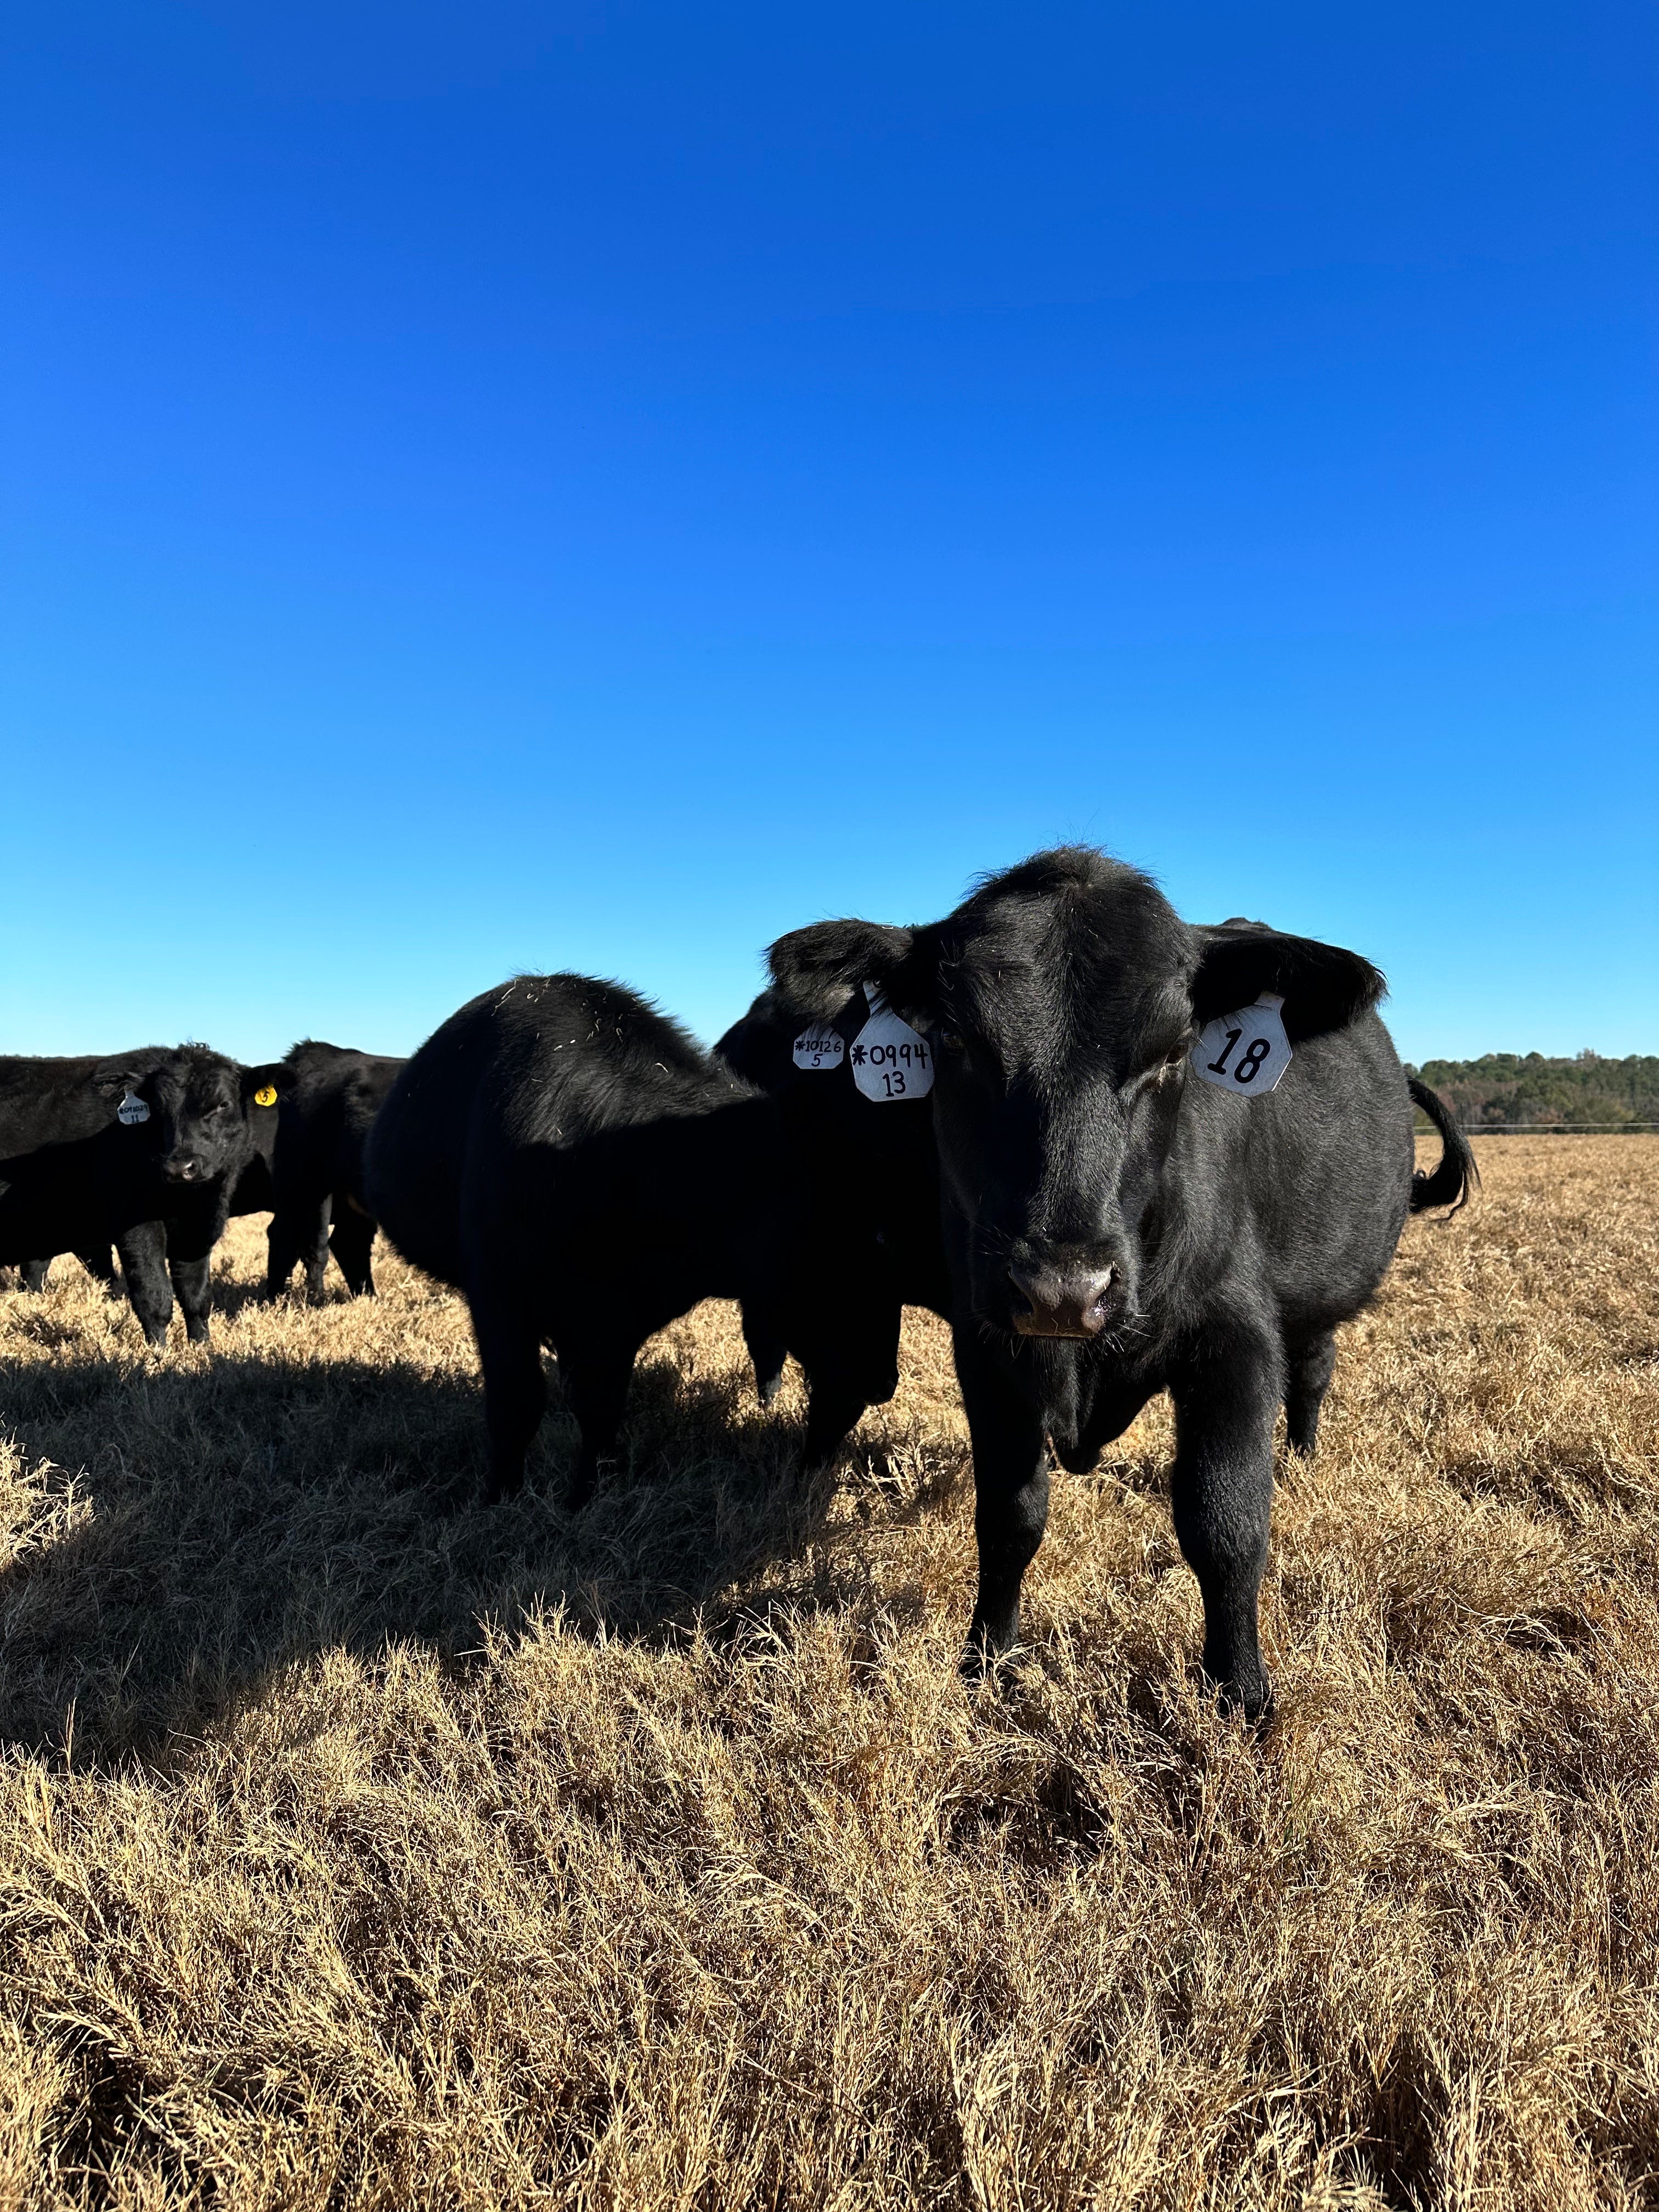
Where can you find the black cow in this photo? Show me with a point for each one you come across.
(140, 1150)
(865, 1241)
(585, 1172)
(1115, 1224)
(316, 1173)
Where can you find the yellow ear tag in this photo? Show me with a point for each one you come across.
(265, 1095)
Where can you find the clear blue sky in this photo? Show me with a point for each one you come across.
(500, 487)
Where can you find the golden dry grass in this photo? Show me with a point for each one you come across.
(361, 1846)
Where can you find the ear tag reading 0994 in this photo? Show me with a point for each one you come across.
(890, 1059)
(1246, 1052)
(820, 1047)
(131, 1111)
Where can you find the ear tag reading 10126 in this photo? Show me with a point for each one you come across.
(890, 1059)
(1246, 1052)
(131, 1111)
(820, 1047)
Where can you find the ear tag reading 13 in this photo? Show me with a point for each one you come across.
(820, 1047)
(131, 1111)
(265, 1095)
(890, 1059)
(1246, 1052)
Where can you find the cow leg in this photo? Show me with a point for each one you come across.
(768, 1352)
(97, 1262)
(192, 1283)
(34, 1274)
(351, 1244)
(144, 1255)
(833, 1409)
(1222, 1487)
(1011, 1507)
(515, 1392)
(311, 1223)
(282, 1250)
(595, 1378)
(1308, 1378)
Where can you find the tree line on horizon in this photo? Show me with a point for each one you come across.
(1516, 1090)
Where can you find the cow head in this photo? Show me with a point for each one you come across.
(1063, 997)
(209, 1114)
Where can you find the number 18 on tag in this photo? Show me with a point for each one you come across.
(1247, 1051)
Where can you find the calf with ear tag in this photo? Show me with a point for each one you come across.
(1245, 1052)
(890, 1059)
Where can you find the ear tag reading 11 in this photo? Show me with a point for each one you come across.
(890, 1059)
(131, 1111)
(1246, 1052)
(820, 1047)
(265, 1095)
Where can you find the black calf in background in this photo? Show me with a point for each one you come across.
(317, 1172)
(867, 1242)
(1114, 1224)
(585, 1172)
(144, 1150)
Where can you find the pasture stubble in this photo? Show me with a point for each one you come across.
(363, 1846)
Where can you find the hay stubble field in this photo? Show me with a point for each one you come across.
(360, 1845)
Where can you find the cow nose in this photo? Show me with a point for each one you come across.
(1061, 1301)
(182, 1171)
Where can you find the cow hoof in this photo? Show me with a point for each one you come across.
(1252, 1702)
(982, 1662)
(766, 1387)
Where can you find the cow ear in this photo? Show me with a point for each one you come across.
(112, 1080)
(273, 1076)
(819, 969)
(1323, 987)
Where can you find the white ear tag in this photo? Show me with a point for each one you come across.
(1246, 1052)
(131, 1109)
(820, 1047)
(890, 1059)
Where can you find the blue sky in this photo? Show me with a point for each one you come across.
(594, 487)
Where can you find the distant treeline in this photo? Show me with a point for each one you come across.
(1508, 1089)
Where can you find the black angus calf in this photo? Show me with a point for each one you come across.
(140, 1150)
(865, 1240)
(585, 1172)
(1128, 1207)
(317, 1172)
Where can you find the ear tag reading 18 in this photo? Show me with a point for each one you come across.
(890, 1059)
(265, 1095)
(131, 1111)
(1246, 1052)
(820, 1047)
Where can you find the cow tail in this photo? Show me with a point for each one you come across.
(1454, 1176)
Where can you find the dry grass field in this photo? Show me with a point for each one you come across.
(360, 1846)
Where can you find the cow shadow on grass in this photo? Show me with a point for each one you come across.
(231, 1520)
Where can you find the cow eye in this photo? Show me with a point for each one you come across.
(949, 1041)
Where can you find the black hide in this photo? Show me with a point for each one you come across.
(74, 1178)
(1115, 1225)
(316, 1177)
(865, 1242)
(585, 1172)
